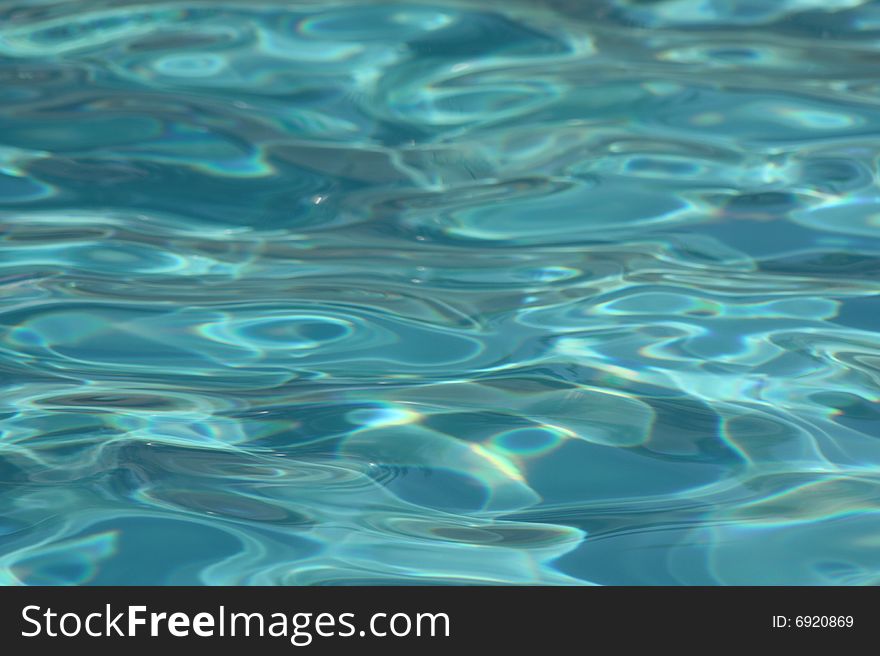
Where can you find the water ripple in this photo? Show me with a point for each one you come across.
(436, 292)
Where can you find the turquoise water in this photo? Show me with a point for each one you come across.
(558, 292)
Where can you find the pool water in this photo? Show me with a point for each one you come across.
(545, 292)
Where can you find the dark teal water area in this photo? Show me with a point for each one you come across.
(558, 292)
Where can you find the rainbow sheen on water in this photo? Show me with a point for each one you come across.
(546, 292)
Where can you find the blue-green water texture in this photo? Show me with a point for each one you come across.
(562, 292)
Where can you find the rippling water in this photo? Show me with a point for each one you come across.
(554, 292)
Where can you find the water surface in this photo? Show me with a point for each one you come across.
(489, 293)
